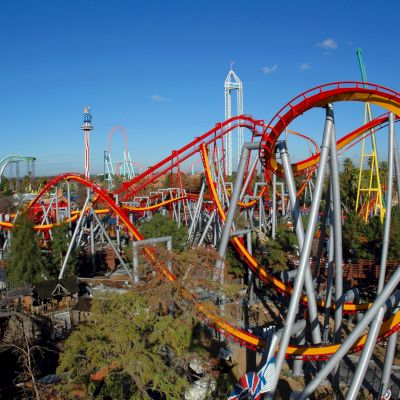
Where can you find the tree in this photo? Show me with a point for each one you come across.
(140, 343)
(354, 237)
(235, 265)
(136, 348)
(26, 261)
(383, 172)
(160, 225)
(59, 247)
(348, 184)
(394, 242)
(272, 251)
(6, 204)
(16, 338)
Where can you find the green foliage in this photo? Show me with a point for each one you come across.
(394, 242)
(286, 237)
(160, 225)
(348, 184)
(277, 249)
(6, 203)
(374, 234)
(354, 237)
(363, 240)
(139, 349)
(274, 251)
(276, 256)
(234, 263)
(59, 247)
(26, 262)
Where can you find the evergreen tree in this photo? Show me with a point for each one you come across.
(160, 225)
(134, 348)
(354, 238)
(59, 247)
(394, 242)
(26, 261)
(348, 184)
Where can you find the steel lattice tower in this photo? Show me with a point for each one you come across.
(372, 188)
(232, 83)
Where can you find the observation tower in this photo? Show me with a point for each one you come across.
(233, 84)
(87, 127)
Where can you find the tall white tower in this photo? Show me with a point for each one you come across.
(232, 83)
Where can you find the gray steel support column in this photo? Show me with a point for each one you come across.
(117, 226)
(216, 230)
(250, 272)
(354, 334)
(270, 349)
(92, 248)
(135, 257)
(78, 240)
(391, 343)
(57, 213)
(337, 225)
(111, 244)
(305, 254)
(296, 215)
(249, 247)
(397, 165)
(74, 235)
(376, 324)
(177, 212)
(247, 181)
(206, 229)
(46, 212)
(153, 242)
(69, 204)
(196, 214)
(247, 147)
(321, 242)
(281, 184)
(169, 249)
(5, 240)
(366, 354)
(274, 213)
(329, 281)
(387, 366)
(45, 219)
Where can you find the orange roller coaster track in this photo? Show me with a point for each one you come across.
(317, 97)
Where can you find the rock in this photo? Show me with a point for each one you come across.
(196, 367)
(200, 389)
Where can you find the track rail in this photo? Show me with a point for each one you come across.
(320, 96)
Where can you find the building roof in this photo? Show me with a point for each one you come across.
(48, 289)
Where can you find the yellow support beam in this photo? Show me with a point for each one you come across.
(374, 186)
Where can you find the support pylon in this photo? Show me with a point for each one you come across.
(369, 195)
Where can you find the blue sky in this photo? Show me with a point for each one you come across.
(158, 68)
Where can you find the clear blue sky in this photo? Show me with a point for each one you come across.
(158, 68)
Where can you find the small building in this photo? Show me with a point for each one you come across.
(81, 311)
(55, 299)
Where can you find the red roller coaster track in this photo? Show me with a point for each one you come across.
(317, 97)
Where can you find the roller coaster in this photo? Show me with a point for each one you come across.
(212, 213)
(14, 161)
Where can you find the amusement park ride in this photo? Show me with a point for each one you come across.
(13, 164)
(212, 213)
(124, 169)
